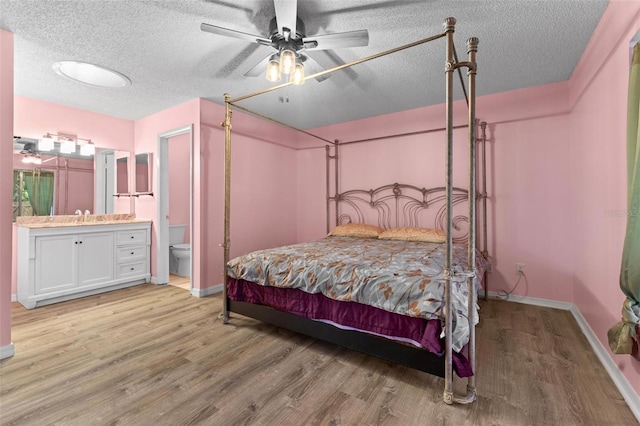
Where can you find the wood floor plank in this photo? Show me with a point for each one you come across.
(155, 355)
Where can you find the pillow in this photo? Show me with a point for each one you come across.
(359, 230)
(414, 234)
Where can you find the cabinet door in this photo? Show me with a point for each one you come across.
(95, 258)
(55, 263)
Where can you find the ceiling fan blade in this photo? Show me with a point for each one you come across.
(260, 68)
(214, 29)
(311, 66)
(337, 40)
(286, 15)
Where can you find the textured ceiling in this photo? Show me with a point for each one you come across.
(160, 47)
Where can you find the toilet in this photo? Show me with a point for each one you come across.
(179, 251)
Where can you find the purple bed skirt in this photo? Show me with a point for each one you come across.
(352, 315)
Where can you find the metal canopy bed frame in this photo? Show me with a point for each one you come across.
(417, 358)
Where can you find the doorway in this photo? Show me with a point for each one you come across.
(163, 193)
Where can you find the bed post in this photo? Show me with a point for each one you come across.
(449, 25)
(227, 204)
(485, 244)
(472, 48)
(328, 158)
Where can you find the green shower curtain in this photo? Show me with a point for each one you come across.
(39, 186)
(624, 336)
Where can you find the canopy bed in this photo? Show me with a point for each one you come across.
(395, 290)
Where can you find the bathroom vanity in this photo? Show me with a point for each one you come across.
(62, 261)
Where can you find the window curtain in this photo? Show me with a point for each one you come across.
(39, 186)
(624, 336)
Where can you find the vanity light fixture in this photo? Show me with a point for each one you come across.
(87, 148)
(67, 146)
(46, 143)
(92, 74)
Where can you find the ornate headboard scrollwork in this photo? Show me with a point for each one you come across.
(401, 205)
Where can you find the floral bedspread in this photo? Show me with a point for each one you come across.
(403, 277)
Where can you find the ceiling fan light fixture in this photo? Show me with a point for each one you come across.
(287, 61)
(31, 158)
(297, 76)
(273, 69)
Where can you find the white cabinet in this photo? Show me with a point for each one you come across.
(65, 262)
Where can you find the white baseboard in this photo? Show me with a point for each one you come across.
(204, 292)
(628, 393)
(154, 280)
(7, 351)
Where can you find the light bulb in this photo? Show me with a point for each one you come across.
(287, 61)
(273, 69)
(297, 77)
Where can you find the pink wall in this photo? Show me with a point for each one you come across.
(263, 181)
(146, 140)
(179, 163)
(598, 173)
(6, 173)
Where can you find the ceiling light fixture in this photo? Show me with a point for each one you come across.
(29, 155)
(94, 75)
(31, 158)
(285, 62)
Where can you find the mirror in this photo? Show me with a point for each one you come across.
(122, 175)
(143, 173)
(77, 181)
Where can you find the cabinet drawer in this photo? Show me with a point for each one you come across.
(130, 269)
(131, 254)
(137, 236)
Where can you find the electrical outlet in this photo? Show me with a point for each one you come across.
(520, 268)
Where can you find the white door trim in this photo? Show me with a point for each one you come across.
(104, 182)
(162, 167)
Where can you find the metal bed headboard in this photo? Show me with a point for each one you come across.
(402, 205)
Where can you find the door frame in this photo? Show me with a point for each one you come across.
(104, 161)
(162, 172)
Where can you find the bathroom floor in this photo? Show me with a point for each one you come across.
(178, 281)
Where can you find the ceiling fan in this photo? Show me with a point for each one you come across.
(288, 37)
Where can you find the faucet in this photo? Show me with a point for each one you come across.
(87, 212)
(78, 212)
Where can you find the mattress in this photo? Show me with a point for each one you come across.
(400, 277)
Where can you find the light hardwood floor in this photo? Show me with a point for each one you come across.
(151, 355)
(180, 282)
